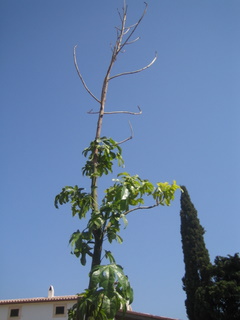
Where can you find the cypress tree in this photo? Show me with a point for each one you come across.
(196, 256)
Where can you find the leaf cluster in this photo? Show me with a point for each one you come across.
(110, 292)
(101, 153)
(80, 201)
(127, 194)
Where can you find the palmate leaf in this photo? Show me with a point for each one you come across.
(111, 304)
(108, 276)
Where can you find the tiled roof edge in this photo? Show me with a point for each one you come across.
(142, 316)
(43, 299)
(129, 314)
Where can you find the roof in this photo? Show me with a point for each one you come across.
(133, 315)
(130, 315)
(36, 300)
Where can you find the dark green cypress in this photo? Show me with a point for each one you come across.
(196, 256)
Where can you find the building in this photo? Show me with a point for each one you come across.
(46, 308)
(53, 308)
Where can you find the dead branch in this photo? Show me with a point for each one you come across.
(130, 137)
(126, 31)
(126, 28)
(135, 71)
(126, 112)
(134, 26)
(118, 112)
(81, 78)
(130, 42)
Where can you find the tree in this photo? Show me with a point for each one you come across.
(196, 256)
(109, 288)
(220, 300)
(213, 291)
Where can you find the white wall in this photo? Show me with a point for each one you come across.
(36, 311)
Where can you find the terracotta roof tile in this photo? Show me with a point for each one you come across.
(133, 315)
(36, 300)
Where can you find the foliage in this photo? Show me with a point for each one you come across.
(127, 194)
(196, 257)
(110, 288)
(220, 300)
(106, 154)
(110, 291)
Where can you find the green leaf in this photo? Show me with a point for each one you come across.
(80, 242)
(113, 281)
(108, 255)
(119, 239)
(124, 193)
(125, 221)
(83, 259)
(111, 235)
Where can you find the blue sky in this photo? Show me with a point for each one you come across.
(189, 131)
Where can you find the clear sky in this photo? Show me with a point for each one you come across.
(189, 131)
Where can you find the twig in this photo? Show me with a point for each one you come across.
(139, 208)
(125, 112)
(131, 136)
(118, 112)
(130, 42)
(135, 26)
(135, 71)
(80, 76)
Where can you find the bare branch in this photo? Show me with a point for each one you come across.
(126, 31)
(80, 76)
(126, 112)
(118, 112)
(135, 71)
(132, 26)
(130, 42)
(131, 136)
(93, 112)
(120, 16)
(120, 31)
(135, 27)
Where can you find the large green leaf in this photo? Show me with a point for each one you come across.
(109, 277)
